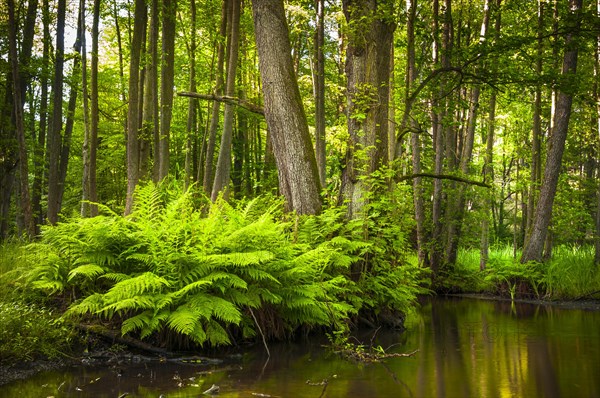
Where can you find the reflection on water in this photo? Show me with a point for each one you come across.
(467, 348)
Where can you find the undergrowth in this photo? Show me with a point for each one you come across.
(569, 275)
(187, 276)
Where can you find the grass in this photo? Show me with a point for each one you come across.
(570, 275)
(28, 330)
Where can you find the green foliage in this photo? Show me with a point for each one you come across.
(168, 269)
(29, 331)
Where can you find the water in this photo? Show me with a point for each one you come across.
(467, 348)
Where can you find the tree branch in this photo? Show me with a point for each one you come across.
(444, 177)
(227, 99)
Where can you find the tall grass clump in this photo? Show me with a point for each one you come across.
(185, 277)
(571, 274)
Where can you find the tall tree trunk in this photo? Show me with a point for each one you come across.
(25, 202)
(536, 146)
(284, 112)
(216, 106)
(223, 170)
(133, 154)
(368, 73)
(192, 104)
(166, 83)
(150, 112)
(39, 169)
(415, 139)
(320, 91)
(488, 168)
(54, 142)
(457, 214)
(597, 127)
(85, 154)
(556, 143)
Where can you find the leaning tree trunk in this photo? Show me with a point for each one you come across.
(556, 143)
(284, 112)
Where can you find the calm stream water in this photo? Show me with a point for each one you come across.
(467, 348)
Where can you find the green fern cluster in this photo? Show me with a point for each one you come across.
(171, 270)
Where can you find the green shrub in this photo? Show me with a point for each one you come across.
(170, 270)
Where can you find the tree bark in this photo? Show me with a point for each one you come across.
(166, 83)
(218, 90)
(54, 142)
(192, 105)
(368, 73)
(284, 112)
(320, 91)
(556, 143)
(223, 170)
(133, 154)
(25, 202)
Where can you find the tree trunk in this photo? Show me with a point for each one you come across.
(54, 142)
(214, 120)
(166, 83)
(25, 202)
(284, 112)
(415, 140)
(368, 73)
(223, 170)
(192, 105)
(133, 154)
(597, 127)
(556, 143)
(320, 92)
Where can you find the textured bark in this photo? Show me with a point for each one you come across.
(415, 139)
(284, 112)
(25, 202)
(320, 91)
(536, 133)
(95, 119)
(223, 170)
(368, 73)
(597, 127)
(54, 142)
(192, 106)
(150, 113)
(214, 119)
(133, 154)
(556, 143)
(167, 77)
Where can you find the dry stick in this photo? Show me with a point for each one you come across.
(261, 333)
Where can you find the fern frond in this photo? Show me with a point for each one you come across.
(216, 334)
(90, 271)
(136, 286)
(129, 304)
(137, 322)
(183, 320)
(90, 305)
(191, 288)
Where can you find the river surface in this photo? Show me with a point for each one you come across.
(466, 348)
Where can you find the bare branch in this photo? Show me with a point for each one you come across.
(227, 99)
(444, 177)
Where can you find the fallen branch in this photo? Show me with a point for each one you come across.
(115, 337)
(226, 99)
(444, 177)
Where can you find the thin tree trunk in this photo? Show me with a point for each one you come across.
(223, 170)
(85, 152)
(192, 105)
(95, 120)
(597, 127)
(320, 91)
(214, 120)
(25, 202)
(284, 112)
(556, 143)
(415, 140)
(166, 83)
(133, 154)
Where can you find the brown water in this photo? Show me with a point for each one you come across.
(467, 348)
